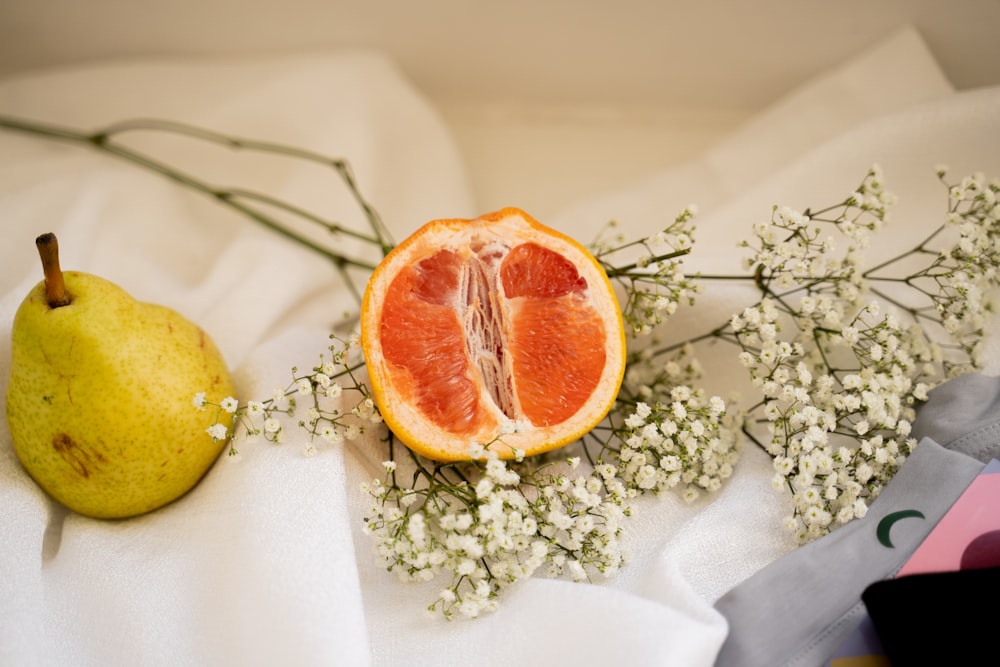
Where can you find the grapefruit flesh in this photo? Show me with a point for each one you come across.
(497, 331)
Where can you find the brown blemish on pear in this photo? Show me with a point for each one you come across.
(80, 459)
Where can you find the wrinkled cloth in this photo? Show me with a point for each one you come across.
(265, 561)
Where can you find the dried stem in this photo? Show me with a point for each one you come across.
(55, 286)
(107, 141)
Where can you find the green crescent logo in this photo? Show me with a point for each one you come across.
(885, 525)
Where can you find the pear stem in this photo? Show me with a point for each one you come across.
(55, 287)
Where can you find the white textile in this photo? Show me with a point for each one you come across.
(264, 562)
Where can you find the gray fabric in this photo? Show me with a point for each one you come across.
(963, 414)
(798, 610)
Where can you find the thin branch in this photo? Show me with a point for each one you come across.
(104, 141)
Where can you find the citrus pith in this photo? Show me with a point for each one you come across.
(496, 330)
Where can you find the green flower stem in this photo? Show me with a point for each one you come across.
(105, 141)
(814, 215)
(718, 333)
(627, 269)
(723, 276)
(340, 166)
(435, 474)
(919, 249)
(239, 193)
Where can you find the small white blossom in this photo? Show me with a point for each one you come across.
(218, 432)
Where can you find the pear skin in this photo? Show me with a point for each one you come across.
(100, 399)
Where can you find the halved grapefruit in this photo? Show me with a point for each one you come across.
(497, 331)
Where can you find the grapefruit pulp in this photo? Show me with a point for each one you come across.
(497, 331)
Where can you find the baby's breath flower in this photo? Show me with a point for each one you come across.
(652, 276)
(278, 397)
(492, 543)
(218, 432)
(831, 361)
(331, 433)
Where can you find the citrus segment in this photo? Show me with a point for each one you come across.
(555, 338)
(497, 331)
(433, 367)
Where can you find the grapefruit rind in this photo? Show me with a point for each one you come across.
(394, 390)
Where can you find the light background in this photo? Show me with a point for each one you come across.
(548, 101)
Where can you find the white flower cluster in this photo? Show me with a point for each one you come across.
(490, 527)
(794, 248)
(216, 431)
(654, 284)
(840, 374)
(963, 275)
(789, 247)
(686, 440)
(326, 416)
(838, 432)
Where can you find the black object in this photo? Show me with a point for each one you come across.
(940, 618)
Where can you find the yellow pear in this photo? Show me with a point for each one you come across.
(100, 402)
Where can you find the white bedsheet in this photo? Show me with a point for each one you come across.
(264, 561)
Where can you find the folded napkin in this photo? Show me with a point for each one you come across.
(264, 561)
